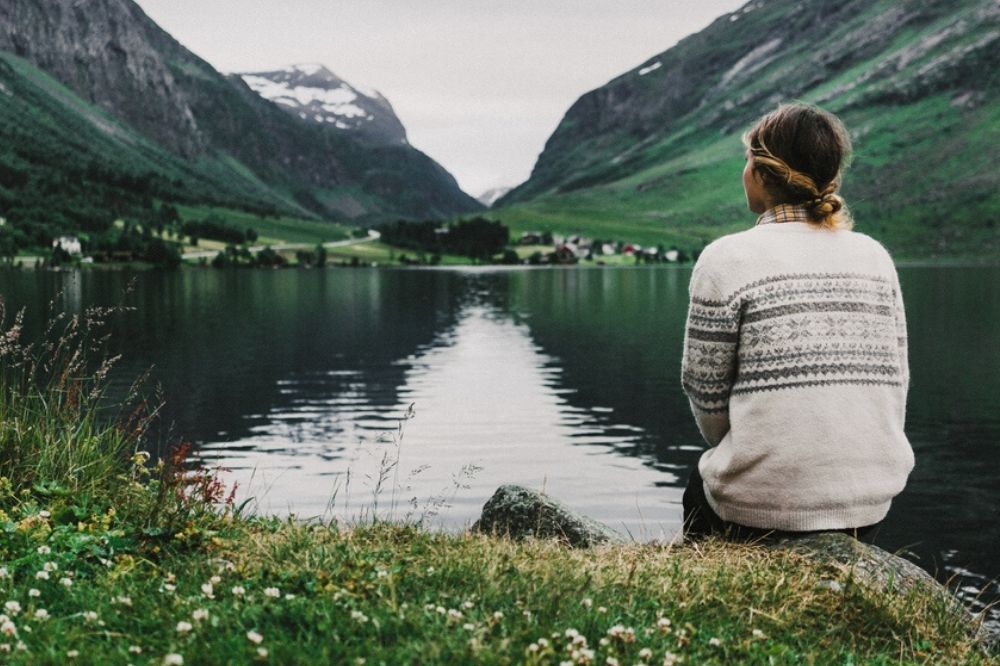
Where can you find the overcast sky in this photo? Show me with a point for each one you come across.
(478, 84)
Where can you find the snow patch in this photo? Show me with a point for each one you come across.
(650, 68)
(751, 61)
(308, 68)
(367, 92)
(337, 101)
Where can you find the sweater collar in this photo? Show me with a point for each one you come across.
(784, 213)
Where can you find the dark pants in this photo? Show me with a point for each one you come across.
(701, 521)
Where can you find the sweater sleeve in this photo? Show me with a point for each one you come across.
(709, 363)
(901, 341)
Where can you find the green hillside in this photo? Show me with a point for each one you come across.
(656, 157)
(69, 166)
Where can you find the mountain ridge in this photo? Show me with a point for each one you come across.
(658, 145)
(111, 55)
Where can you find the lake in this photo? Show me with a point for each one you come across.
(566, 380)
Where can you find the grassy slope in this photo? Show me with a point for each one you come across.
(271, 228)
(923, 180)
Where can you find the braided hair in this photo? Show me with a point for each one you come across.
(800, 151)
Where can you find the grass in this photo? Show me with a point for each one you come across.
(272, 228)
(108, 558)
(383, 254)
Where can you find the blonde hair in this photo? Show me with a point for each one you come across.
(800, 152)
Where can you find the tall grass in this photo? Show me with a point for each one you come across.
(54, 436)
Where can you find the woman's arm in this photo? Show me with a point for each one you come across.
(901, 342)
(709, 363)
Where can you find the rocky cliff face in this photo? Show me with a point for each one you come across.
(845, 55)
(315, 94)
(111, 54)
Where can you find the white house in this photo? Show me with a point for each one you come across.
(69, 244)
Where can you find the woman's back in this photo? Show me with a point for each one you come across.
(796, 367)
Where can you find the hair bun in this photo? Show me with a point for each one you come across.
(826, 204)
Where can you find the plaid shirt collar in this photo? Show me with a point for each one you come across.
(784, 213)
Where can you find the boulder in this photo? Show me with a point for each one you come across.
(880, 572)
(517, 512)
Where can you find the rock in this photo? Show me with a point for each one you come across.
(881, 572)
(518, 512)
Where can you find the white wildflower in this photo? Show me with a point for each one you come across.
(66, 582)
(238, 591)
(89, 616)
(272, 592)
(41, 614)
(43, 550)
(254, 637)
(199, 614)
(173, 659)
(208, 590)
(34, 592)
(262, 652)
(12, 607)
(134, 649)
(50, 566)
(42, 575)
(184, 627)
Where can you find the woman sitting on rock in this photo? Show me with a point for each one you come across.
(795, 351)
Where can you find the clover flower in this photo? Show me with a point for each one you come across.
(173, 659)
(33, 592)
(66, 581)
(238, 591)
(200, 614)
(12, 607)
(43, 550)
(41, 614)
(272, 592)
(184, 627)
(254, 637)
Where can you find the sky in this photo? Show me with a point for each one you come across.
(479, 84)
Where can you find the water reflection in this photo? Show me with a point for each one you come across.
(490, 407)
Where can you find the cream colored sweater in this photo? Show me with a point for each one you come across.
(795, 365)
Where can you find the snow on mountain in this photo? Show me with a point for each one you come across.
(314, 93)
(491, 195)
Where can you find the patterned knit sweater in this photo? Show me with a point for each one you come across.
(795, 365)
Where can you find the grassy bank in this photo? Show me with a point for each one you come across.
(109, 557)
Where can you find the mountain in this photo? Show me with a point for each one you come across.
(315, 94)
(489, 197)
(655, 156)
(108, 111)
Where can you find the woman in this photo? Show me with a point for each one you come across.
(795, 351)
